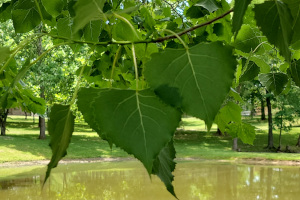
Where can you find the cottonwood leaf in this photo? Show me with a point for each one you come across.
(54, 7)
(244, 131)
(231, 112)
(164, 165)
(34, 104)
(235, 95)
(5, 11)
(136, 121)
(203, 75)
(246, 40)
(250, 72)
(275, 20)
(294, 6)
(274, 82)
(25, 18)
(240, 7)
(86, 11)
(60, 127)
(210, 5)
(92, 31)
(295, 72)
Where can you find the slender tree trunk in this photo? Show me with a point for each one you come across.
(252, 107)
(235, 144)
(42, 124)
(219, 132)
(298, 143)
(270, 123)
(3, 119)
(262, 105)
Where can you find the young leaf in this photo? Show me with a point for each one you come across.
(275, 20)
(86, 11)
(60, 127)
(136, 121)
(202, 74)
(240, 7)
(295, 72)
(274, 82)
(244, 131)
(32, 103)
(164, 165)
(231, 112)
(210, 5)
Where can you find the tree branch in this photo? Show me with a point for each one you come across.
(161, 39)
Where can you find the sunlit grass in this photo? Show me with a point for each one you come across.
(191, 141)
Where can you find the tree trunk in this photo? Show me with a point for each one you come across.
(252, 107)
(262, 105)
(219, 132)
(42, 124)
(235, 144)
(270, 123)
(298, 143)
(3, 119)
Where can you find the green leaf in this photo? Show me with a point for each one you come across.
(203, 74)
(164, 165)
(231, 112)
(250, 72)
(136, 121)
(122, 31)
(4, 54)
(149, 21)
(294, 6)
(274, 82)
(235, 95)
(295, 72)
(86, 11)
(210, 5)
(275, 20)
(92, 31)
(54, 7)
(5, 11)
(60, 127)
(240, 7)
(25, 16)
(65, 28)
(34, 104)
(246, 40)
(246, 132)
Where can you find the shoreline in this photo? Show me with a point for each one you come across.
(249, 161)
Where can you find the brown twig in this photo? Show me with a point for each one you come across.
(161, 39)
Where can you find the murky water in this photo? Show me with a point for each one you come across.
(128, 180)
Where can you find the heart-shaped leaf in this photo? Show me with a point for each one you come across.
(136, 121)
(203, 74)
(274, 82)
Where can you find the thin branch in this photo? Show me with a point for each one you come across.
(174, 9)
(161, 39)
(193, 28)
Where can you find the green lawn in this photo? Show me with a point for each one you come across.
(191, 141)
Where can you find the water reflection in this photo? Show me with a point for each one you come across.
(129, 181)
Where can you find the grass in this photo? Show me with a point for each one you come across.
(191, 141)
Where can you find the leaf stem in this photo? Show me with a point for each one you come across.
(77, 87)
(178, 37)
(135, 67)
(127, 22)
(114, 65)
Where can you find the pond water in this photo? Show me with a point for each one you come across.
(128, 180)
